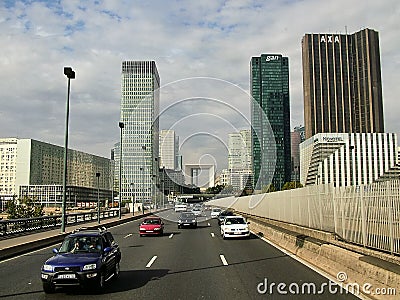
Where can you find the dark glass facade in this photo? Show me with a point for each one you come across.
(270, 118)
(342, 83)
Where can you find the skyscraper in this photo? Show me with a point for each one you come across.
(269, 83)
(239, 149)
(342, 83)
(169, 147)
(140, 84)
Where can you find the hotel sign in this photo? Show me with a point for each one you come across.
(331, 139)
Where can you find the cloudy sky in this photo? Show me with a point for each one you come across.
(202, 50)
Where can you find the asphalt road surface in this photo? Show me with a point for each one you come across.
(182, 264)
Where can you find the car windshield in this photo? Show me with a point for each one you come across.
(79, 244)
(232, 221)
(152, 221)
(187, 216)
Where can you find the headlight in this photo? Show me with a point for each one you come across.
(179, 221)
(157, 228)
(48, 268)
(193, 221)
(89, 267)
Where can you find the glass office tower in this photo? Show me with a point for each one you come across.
(342, 83)
(140, 95)
(270, 118)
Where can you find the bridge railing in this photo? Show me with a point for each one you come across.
(12, 227)
(368, 215)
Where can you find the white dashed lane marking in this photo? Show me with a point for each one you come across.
(128, 235)
(212, 234)
(151, 261)
(171, 236)
(222, 257)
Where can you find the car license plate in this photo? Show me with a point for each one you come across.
(237, 232)
(149, 230)
(66, 276)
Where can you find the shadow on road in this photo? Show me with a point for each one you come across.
(130, 280)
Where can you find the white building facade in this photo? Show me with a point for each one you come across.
(140, 84)
(168, 149)
(347, 159)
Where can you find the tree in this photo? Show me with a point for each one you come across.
(215, 189)
(291, 185)
(23, 208)
(269, 188)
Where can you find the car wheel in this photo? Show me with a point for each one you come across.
(224, 236)
(179, 226)
(161, 232)
(48, 288)
(116, 270)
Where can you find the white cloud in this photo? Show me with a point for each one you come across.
(186, 39)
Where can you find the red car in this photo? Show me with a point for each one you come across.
(151, 225)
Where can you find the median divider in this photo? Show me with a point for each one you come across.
(358, 269)
(14, 246)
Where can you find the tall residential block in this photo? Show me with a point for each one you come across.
(342, 83)
(269, 84)
(140, 95)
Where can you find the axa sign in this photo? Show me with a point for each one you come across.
(330, 39)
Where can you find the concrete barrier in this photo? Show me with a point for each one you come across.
(366, 274)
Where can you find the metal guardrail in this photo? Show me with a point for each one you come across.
(12, 227)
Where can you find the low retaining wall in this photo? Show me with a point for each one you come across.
(54, 238)
(320, 249)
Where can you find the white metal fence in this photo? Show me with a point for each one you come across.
(368, 215)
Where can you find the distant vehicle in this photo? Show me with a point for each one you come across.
(224, 214)
(215, 212)
(180, 207)
(151, 226)
(85, 258)
(235, 226)
(197, 211)
(187, 219)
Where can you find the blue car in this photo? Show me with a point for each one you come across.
(86, 258)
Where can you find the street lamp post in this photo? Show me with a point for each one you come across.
(70, 75)
(98, 197)
(133, 197)
(121, 126)
(144, 149)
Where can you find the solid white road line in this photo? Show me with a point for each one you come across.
(128, 235)
(212, 234)
(224, 262)
(171, 236)
(151, 261)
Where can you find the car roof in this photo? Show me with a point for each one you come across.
(234, 217)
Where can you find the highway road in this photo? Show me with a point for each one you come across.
(182, 264)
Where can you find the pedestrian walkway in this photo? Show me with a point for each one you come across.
(20, 244)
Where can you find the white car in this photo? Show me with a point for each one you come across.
(215, 212)
(235, 226)
(180, 207)
(197, 211)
